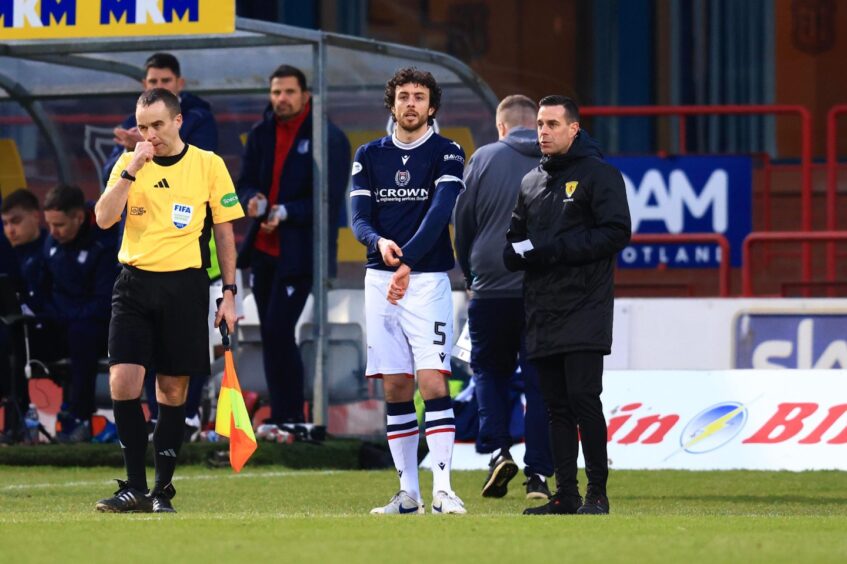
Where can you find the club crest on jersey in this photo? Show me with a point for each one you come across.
(181, 215)
(570, 188)
(402, 178)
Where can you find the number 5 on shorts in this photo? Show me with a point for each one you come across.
(438, 326)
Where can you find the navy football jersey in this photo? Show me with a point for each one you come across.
(406, 193)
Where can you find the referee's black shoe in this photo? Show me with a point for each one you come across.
(161, 499)
(596, 503)
(126, 500)
(559, 504)
(501, 470)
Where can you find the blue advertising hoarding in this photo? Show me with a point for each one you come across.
(791, 340)
(695, 194)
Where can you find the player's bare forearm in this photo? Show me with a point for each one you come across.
(111, 204)
(225, 243)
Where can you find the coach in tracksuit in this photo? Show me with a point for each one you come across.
(570, 221)
(275, 187)
(496, 311)
(81, 263)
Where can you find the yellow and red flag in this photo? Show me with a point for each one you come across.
(232, 419)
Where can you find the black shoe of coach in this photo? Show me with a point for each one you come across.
(559, 504)
(595, 504)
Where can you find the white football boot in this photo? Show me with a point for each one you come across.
(401, 504)
(447, 502)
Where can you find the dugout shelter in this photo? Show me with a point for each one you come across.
(60, 100)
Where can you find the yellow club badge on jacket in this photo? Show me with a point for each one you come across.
(570, 188)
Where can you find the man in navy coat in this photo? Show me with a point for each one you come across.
(275, 187)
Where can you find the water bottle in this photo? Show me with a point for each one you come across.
(31, 421)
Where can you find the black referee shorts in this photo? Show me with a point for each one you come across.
(160, 320)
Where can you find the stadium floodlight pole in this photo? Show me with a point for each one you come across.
(320, 231)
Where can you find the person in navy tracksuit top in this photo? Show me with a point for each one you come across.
(7, 256)
(24, 265)
(275, 187)
(81, 264)
(21, 220)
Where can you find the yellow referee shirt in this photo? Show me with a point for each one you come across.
(171, 208)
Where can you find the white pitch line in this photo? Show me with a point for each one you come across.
(93, 516)
(279, 474)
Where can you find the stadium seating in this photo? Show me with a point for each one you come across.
(11, 168)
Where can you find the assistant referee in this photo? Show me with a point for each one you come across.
(175, 195)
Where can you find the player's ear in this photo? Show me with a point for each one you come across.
(178, 120)
(306, 96)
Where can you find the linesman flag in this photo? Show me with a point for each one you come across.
(232, 419)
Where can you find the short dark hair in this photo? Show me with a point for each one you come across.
(571, 109)
(411, 75)
(20, 198)
(162, 61)
(283, 71)
(153, 95)
(64, 198)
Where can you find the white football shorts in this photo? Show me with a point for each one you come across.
(415, 334)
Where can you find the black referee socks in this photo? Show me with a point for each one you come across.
(132, 432)
(167, 440)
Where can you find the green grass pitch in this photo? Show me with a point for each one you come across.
(277, 515)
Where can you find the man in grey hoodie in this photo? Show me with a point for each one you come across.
(496, 312)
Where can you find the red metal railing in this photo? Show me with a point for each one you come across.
(115, 119)
(782, 237)
(767, 173)
(678, 238)
(832, 184)
(753, 109)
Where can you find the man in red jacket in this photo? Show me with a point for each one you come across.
(275, 188)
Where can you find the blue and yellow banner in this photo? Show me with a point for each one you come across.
(59, 19)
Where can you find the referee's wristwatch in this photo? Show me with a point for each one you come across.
(231, 287)
(127, 176)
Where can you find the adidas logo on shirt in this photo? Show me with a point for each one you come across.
(163, 183)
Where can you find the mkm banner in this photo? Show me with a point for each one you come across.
(59, 19)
